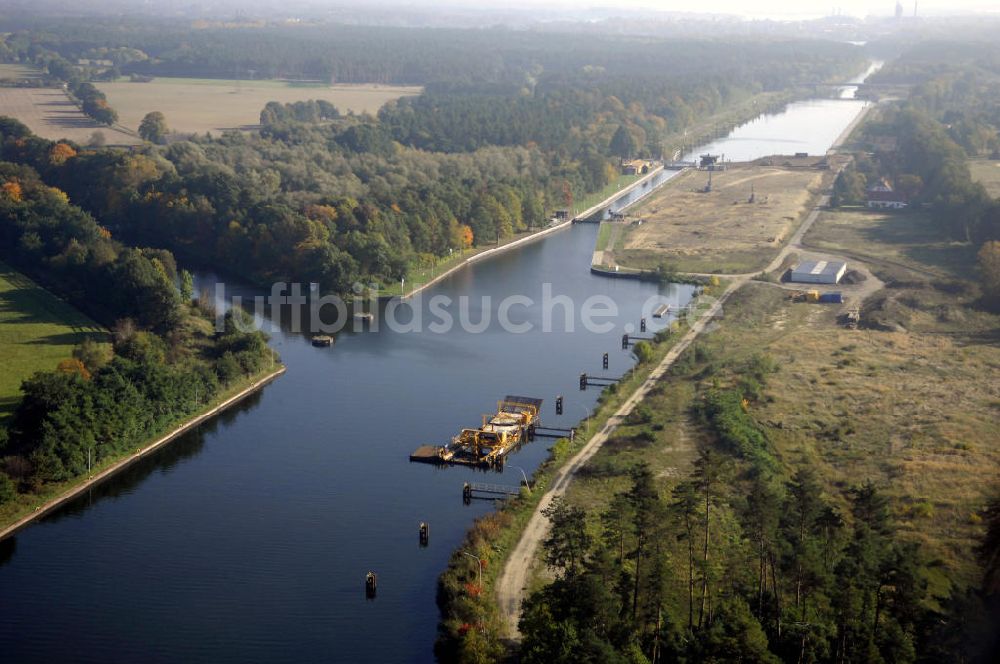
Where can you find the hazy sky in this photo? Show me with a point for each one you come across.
(763, 7)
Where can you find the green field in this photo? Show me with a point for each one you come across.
(910, 240)
(37, 331)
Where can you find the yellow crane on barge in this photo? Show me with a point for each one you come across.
(514, 423)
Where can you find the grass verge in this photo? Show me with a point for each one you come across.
(37, 331)
(908, 240)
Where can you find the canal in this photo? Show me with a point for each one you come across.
(809, 126)
(248, 539)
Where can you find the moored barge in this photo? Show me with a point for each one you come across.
(513, 424)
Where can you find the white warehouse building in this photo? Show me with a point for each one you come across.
(818, 272)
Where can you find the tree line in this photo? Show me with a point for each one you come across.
(329, 203)
(746, 561)
(391, 55)
(511, 125)
(949, 116)
(77, 80)
(165, 362)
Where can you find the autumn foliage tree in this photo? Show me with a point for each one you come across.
(73, 366)
(61, 153)
(12, 190)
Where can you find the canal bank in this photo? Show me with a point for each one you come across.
(262, 524)
(534, 237)
(510, 587)
(80, 486)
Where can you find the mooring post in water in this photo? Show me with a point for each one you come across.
(425, 533)
(642, 324)
(371, 585)
(467, 493)
(604, 361)
(625, 341)
(559, 407)
(583, 381)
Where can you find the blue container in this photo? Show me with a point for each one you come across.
(831, 298)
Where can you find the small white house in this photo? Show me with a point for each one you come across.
(882, 197)
(818, 272)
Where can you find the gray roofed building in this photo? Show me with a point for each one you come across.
(818, 272)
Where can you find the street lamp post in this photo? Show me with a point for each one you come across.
(523, 474)
(478, 560)
(482, 622)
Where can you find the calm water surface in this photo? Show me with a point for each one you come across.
(248, 538)
(806, 126)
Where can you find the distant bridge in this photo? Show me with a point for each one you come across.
(858, 85)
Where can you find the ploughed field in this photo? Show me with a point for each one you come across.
(49, 113)
(15, 72)
(199, 105)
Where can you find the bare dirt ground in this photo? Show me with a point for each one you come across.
(194, 105)
(49, 113)
(721, 231)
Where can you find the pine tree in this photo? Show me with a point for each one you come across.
(708, 474)
(622, 144)
(685, 509)
(645, 502)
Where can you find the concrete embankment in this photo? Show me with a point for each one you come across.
(120, 465)
(844, 135)
(534, 236)
(489, 252)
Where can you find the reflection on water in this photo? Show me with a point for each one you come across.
(248, 538)
(805, 126)
(161, 460)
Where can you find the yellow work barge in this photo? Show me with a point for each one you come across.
(514, 423)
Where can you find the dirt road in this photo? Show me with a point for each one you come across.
(515, 575)
(510, 585)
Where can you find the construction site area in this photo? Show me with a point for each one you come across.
(731, 219)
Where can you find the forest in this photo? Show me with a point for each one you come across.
(747, 560)
(512, 126)
(165, 363)
(950, 115)
(377, 54)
